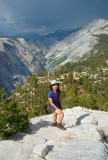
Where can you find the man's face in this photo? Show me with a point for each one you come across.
(55, 87)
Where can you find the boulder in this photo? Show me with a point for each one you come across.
(42, 150)
(81, 149)
(84, 138)
(86, 119)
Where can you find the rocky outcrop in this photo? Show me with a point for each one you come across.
(84, 138)
(21, 57)
(74, 46)
(18, 60)
(12, 69)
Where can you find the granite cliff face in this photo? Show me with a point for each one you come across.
(17, 61)
(22, 56)
(85, 138)
(74, 46)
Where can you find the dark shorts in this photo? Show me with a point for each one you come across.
(53, 109)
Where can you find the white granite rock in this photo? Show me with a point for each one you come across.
(77, 109)
(75, 45)
(33, 139)
(12, 150)
(82, 140)
(80, 149)
(87, 119)
(85, 131)
(42, 150)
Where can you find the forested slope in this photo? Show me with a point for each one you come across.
(83, 83)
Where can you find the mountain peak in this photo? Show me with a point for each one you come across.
(74, 46)
(35, 53)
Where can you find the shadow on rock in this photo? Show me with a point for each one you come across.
(35, 127)
(81, 118)
(32, 130)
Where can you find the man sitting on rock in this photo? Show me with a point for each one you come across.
(55, 104)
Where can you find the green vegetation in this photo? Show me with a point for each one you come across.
(93, 95)
(88, 89)
(43, 74)
(32, 97)
(95, 82)
(56, 61)
(11, 118)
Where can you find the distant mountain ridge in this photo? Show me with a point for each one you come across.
(75, 45)
(22, 56)
(45, 41)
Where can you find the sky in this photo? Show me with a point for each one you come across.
(44, 16)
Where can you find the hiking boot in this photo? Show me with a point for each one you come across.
(54, 124)
(61, 126)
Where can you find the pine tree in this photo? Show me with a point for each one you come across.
(11, 118)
